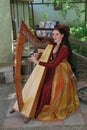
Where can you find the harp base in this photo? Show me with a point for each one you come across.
(12, 111)
(26, 120)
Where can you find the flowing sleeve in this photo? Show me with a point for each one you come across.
(63, 54)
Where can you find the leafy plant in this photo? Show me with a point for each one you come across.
(79, 49)
(67, 5)
(79, 32)
(45, 16)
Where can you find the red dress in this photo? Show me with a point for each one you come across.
(45, 95)
(58, 97)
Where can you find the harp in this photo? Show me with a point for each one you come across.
(27, 98)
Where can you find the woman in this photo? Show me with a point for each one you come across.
(59, 97)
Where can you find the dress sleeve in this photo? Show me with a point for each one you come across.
(63, 54)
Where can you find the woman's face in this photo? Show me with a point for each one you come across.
(57, 36)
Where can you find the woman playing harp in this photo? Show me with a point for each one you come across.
(58, 98)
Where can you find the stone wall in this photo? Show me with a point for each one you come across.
(6, 56)
(6, 38)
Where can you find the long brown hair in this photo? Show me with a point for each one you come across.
(65, 30)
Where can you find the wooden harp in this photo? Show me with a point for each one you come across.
(27, 98)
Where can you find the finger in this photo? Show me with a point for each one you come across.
(30, 59)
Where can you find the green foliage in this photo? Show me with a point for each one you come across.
(67, 5)
(45, 17)
(82, 50)
(79, 32)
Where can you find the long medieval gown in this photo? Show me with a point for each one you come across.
(59, 97)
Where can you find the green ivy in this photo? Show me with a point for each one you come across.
(67, 5)
(79, 32)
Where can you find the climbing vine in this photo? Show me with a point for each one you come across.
(66, 6)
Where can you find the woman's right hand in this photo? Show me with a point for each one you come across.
(34, 58)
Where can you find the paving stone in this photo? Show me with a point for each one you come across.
(15, 121)
(75, 119)
(83, 107)
(34, 123)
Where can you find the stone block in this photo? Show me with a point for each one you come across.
(8, 73)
